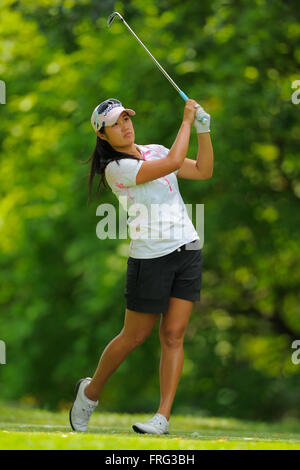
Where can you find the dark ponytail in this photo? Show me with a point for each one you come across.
(103, 154)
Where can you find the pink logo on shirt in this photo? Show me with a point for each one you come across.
(121, 185)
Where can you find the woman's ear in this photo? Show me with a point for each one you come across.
(102, 136)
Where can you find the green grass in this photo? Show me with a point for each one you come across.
(22, 428)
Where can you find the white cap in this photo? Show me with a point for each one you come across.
(107, 113)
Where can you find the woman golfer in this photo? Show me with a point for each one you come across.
(163, 277)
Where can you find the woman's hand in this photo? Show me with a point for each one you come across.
(189, 111)
(201, 126)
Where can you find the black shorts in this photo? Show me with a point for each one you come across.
(151, 282)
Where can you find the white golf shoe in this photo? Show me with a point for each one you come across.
(82, 407)
(157, 425)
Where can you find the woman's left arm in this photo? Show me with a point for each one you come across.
(202, 167)
(205, 155)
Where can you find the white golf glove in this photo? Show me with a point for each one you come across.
(201, 126)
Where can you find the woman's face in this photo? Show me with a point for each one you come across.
(121, 133)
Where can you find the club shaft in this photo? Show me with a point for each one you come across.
(153, 58)
(181, 93)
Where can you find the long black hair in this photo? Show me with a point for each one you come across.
(102, 155)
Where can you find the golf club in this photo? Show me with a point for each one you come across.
(181, 93)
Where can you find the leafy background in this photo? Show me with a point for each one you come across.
(61, 289)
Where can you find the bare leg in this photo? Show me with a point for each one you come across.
(137, 326)
(172, 329)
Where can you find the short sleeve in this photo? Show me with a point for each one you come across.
(123, 173)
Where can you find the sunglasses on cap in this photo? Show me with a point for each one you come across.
(107, 103)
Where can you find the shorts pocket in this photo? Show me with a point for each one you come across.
(150, 285)
(132, 274)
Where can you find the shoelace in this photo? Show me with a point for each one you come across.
(156, 420)
(88, 410)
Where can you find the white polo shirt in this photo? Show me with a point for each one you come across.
(158, 220)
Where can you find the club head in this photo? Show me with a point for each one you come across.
(112, 17)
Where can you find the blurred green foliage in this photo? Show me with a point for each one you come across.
(61, 290)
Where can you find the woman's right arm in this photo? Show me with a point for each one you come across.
(155, 169)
